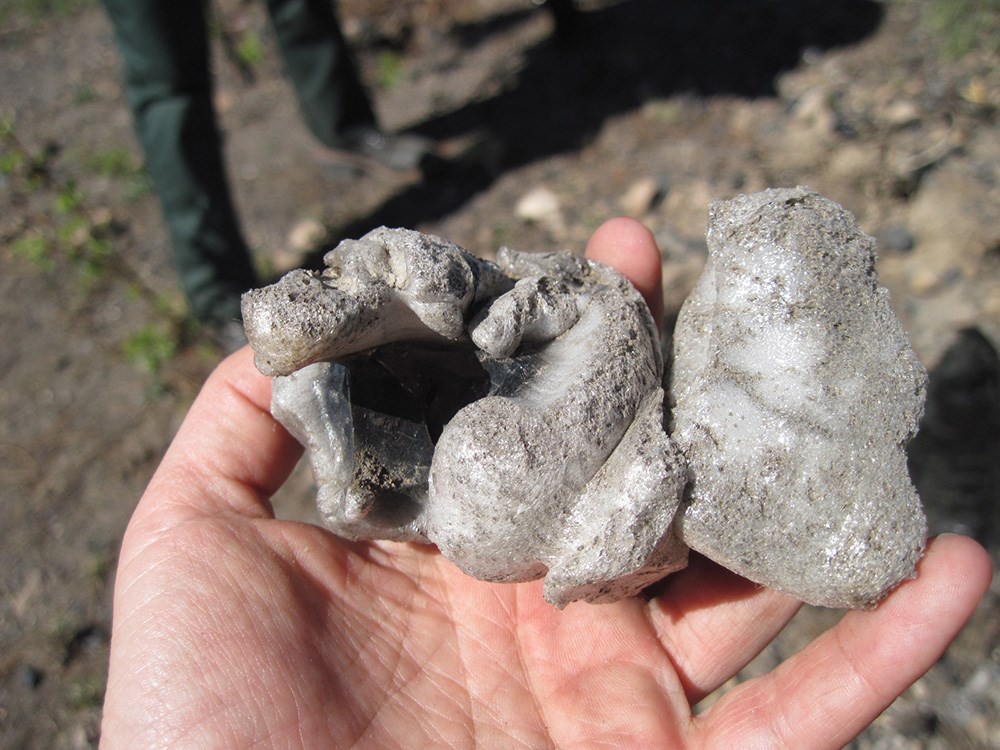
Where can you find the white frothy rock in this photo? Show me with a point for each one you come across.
(795, 392)
(510, 413)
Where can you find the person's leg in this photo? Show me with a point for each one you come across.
(334, 103)
(165, 49)
(330, 94)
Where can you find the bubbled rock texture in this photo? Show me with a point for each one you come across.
(513, 413)
(795, 392)
(510, 413)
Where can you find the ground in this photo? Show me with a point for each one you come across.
(651, 109)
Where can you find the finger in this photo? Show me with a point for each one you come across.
(712, 622)
(230, 454)
(828, 693)
(629, 247)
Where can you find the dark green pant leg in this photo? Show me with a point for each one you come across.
(318, 61)
(164, 46)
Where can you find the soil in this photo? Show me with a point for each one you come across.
(648, 108)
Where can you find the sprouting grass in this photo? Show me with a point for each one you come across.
(11, 160)
(67, 231)
(68, 198)
(113, 162)
(35, 248)
(16, 161)
(136, 186)
(120, 164)
(250, 49)
(151, 347)
(965, 26)
(390, 69)
(85, 692)
(38, 9)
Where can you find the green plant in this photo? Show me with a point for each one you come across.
(250, 49)
(121, 164)
(85, 95)
(136, 187)
(965, 26)
(113, 162)
(11, 161)
(390, 68)
(151, 347)
(16, 160)
(39, 9)
(68, 199)
(85, 692)
(100, 559)
(67, 233)
(36, 248)
(86, 245)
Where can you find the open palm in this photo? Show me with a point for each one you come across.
(234, 629)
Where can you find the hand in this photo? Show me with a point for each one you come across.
(233, 629)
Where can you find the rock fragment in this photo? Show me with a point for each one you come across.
(795, 392)
(512, 414)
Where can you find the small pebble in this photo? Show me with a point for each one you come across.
(305, 236)
(29, 677)
(641, 196)
(895, 238)
(539, 204)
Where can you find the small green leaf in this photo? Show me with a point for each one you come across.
(150, 348)
(390, 69)
(250, 49)
(69, 198)
(35, 248)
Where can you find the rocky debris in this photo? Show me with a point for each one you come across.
(895, 237)
(641, 197)
(305, 235)
(542, 206)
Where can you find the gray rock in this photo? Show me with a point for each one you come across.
(794, 393)
(566, 466)
(370, 466)
(641, 196)
(512, 414)
(895, 237)
(391, 285)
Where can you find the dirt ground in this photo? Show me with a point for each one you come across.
(651, 109)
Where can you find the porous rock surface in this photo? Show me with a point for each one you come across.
(795, 392)
(511, 413)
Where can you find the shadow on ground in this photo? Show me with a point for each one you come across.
(953, 458)
(611, 61)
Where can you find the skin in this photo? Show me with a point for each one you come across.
(233, 629)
